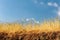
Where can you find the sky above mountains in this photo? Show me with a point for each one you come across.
(12, 10)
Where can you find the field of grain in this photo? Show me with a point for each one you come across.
(47, 30)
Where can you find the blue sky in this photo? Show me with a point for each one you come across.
(12, 10)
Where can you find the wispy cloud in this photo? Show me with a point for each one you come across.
(53, 4)
(49, 4)
(58, 11)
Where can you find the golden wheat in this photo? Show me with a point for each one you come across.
(17, 29)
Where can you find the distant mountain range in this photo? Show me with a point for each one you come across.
(24, 21)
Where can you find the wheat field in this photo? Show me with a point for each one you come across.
(47, 30)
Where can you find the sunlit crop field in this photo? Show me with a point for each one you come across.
(47, 30)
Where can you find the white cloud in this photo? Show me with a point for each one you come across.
(37, 22)
(49, 3)
(58, 12)
(53, 4)
(56, 6)
(27, 19)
